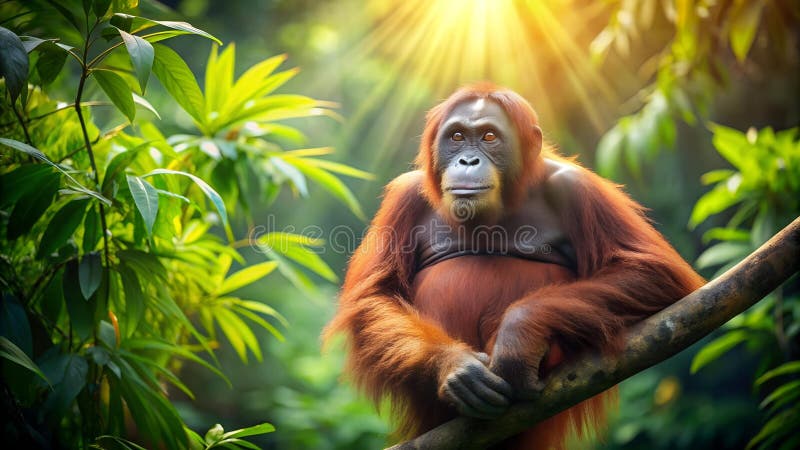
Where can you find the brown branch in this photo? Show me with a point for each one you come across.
(648, 343)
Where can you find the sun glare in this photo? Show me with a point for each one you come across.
(522, 44)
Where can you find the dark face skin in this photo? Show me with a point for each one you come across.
(478, 149)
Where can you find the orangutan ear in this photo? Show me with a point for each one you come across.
(537, 139)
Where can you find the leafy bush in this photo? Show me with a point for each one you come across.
(764, 189)
(117, 241)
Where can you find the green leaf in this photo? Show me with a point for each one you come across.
(146, 105)
(292, 173)
(726, 234)
(339, 168)
(157, 345)
(743, 27)
(118, 164)
(31, 206)
(91, 230)
(139, 23)
(714, 201)
(219, 78)
(722, 253)
(717, 348)
(142, 56)
(117, 90)
(332, 185)
(207, 190)
(80, 311)
(62, 226)
(90, 274)
(783, 369)
(307, 258)
(51, 61)
(238, 333)
(13, 63)
(785, 393)
(72, 383)
(14, 354)
(246, 276)
(179, 81)
(100, 7)
(715, 176)
(36, 153)
(146, 198)
(263, 428)
(261, 308)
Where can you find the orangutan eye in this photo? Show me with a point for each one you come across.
(489, 136)
(457, 136)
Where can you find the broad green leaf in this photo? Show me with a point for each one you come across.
(61, 226)
(36, 153)
(142, 55)
(263, 428)
(118, 164)
(80, 311)
(712, 202)
(22, 180)
(135, 299)
(717, 348)
(246, 276)
(14, 354)
(731, 144)
(723, 253)
(146, 198)
(726, 234)
(51, 61)
(90, 274)
(207, 190)
(13, 63)
(72, 383)
(146, 105)
(136, 23)
(100, 7)
(744, 21)
(178, 80)
(117, 90)
(31, 206)
(92, 231)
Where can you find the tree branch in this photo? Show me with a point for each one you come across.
(648, 343)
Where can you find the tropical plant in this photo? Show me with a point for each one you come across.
(764, 190)
(117, 242)
(686, 68)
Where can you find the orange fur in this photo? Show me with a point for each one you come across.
(405, 329)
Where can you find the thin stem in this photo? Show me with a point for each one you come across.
(63, 108)
(21, 121)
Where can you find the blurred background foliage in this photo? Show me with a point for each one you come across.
(692, 104)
